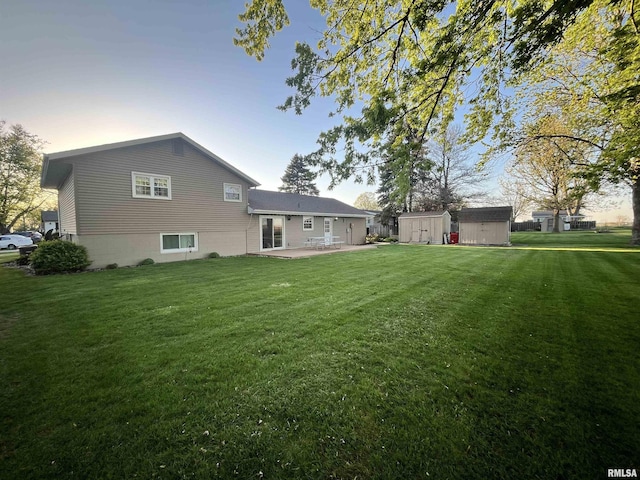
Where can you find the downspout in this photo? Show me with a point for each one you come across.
(246, 232)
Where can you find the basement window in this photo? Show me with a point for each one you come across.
(178, 242)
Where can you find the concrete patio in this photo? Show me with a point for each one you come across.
(312, 252)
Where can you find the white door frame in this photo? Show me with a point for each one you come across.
(328, 235)
(272, 217)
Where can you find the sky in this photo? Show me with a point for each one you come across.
(81, 73)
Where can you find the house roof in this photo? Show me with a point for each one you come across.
(437, 213)
(546, 213)
(485, 214)
(55, 170)
(281, 203)
(49, 216)
(549, 213)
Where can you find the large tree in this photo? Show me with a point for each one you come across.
(411, 62)
(454, 178)
(592, 80)
(406, 63)
(547, 168)
(298, 178)
(20, 166)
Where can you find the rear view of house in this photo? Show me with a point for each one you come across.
(165, 198)
(168, 198)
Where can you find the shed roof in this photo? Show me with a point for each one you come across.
(437, 213)
(55, 170)
(266, 202)
(49, 215)
(485, 214)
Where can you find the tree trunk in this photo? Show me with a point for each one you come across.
(635, 203)
(556, 220)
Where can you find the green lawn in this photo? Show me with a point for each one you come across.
(400, 362)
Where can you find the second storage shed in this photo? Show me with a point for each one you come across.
(485, 226)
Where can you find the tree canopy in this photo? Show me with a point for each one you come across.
(367, 201)
(20, 165)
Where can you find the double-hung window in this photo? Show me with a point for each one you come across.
(232, 192)
(147, 185)
(307, 223)
(178, 242)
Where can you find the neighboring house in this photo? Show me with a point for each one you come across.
(49, 220)
(287, 220)
(539, 216)
(425, 227)
(545, 218)
(375, 226)
(485, 226)
(168, 198)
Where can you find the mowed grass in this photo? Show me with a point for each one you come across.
(401, 362)
(616, 239)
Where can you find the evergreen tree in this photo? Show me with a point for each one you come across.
(298, 178)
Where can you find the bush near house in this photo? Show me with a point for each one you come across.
(59, 256)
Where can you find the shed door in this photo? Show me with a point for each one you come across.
(415, 231)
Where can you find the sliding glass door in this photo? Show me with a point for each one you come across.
(272, 232)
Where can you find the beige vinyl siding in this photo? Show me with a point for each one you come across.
(253, 234)
(131, 248)
(67, 207)
(295, 236)
(105, 204)
(487, 233)
(352, 231)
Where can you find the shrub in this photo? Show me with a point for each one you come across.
(111, 266)
(214, 255)
(146, 261)
(372, 238)
(59, 256)
(23, 260)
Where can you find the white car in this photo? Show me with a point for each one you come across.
(14, 241)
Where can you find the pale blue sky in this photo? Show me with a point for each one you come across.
(80, 73)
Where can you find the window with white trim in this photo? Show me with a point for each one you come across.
(148, 185)
(178, 242)
(232, 192)
(307, 223)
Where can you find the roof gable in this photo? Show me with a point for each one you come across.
(263, 201)
(485, 214)
(54, 169)
(438, 213)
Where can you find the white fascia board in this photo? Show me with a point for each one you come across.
(306, 214)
